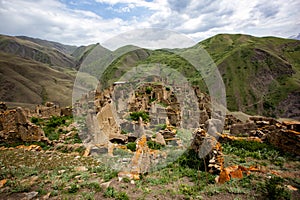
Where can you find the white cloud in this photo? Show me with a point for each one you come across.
(152, 5)
(54, 20)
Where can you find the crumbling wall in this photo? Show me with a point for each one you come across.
(14, 126)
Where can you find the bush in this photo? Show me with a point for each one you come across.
(74, 188)
(148, 90)
(131, 146)
(122, 196)
(255, 150)
(154, 145)
(35, 120)
(110, 192)
(136, 115)
(53, 123)
(191, 160)
(274, 189)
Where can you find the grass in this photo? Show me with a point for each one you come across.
(256, 150)
(54, 127)
(273, 188)
(185, 177)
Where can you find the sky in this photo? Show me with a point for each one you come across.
(85, 22)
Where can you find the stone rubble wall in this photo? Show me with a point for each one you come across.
(15, 126)
(284, 135)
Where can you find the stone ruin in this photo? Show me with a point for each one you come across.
(48, 110)
(15, 126)
(284, 135)
(161, 103)
(209, 149)
(107, 123)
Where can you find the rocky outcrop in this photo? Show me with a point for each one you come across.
(14, 126)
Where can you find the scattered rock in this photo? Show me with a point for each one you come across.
(3, 182)
(235, 171)
(32, 147)
(33, 180)
(129, 175)
(105, 185)
(30, 195)
(292, 188)
(81, 169)
(61, 171)
(159, 139)
(47, 196)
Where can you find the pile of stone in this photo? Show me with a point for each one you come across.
(209, 149)
(285, 135)
(14, 126)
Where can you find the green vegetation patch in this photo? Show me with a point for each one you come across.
(136, 115)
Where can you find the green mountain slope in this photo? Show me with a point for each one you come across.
(33, 71)
(262, 75)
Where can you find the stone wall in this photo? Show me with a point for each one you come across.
(284, 135)
(209, 149)
(14, 126)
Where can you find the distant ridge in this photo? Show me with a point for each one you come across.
(34, 71)
(261, 74)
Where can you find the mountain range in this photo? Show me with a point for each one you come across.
(261, 75)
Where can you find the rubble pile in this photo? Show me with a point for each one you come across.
(208, 148)
(284, 135)
(14, 126)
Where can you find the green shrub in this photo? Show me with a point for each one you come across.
(110, 192)
(74, 188)
(273, 188)
(77, 139)
(122, 196)
(124, 132)
(131, 146)
(136, 115)
(94, 186)
(191, 160)
(148, 90)
(154, 145)
(255, 150)
(35, 120)
(53, 123)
